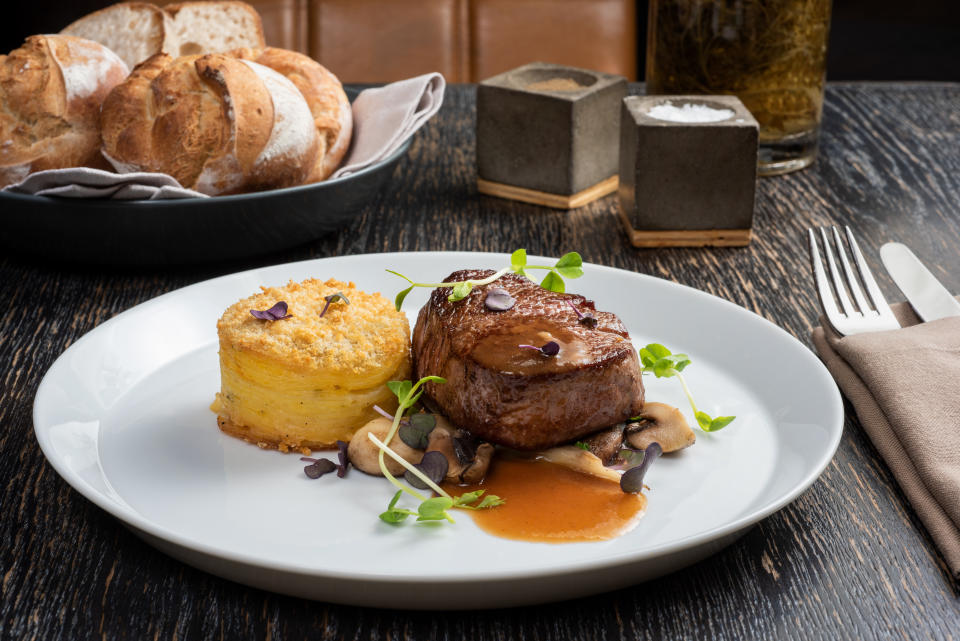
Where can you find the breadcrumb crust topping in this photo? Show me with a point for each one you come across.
(349, 339)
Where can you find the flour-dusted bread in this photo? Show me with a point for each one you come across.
(323, 92)
(215, 26)
(217, 124)
(133, 30)
(51, 89)
(138, 30)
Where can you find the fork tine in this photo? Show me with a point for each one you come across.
(879, 302)
(854, 284)
(835, 277)
(827, 301)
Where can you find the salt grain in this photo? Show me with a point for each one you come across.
(689, 112)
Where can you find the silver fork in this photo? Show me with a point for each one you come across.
(866, 316)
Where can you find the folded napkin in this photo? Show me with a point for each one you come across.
(84, 182)
(905, 387)
(385, 117)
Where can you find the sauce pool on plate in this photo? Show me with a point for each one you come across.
(548, 503)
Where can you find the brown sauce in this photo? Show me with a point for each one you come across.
(501, 351)
(548, 503)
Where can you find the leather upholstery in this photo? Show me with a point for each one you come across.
(465, 40)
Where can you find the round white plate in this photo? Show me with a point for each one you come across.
(123, 416)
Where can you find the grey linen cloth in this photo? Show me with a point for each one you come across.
(384, 118)
(905, 387)
(84, 182)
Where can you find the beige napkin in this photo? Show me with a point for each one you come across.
(84, 182)
(385, 117)
(905, 387)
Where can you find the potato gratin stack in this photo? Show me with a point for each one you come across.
(306, 381)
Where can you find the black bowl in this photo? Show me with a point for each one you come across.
(189, 230)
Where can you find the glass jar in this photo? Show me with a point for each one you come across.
(769, 53)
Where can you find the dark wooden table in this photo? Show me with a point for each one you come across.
(847, 560)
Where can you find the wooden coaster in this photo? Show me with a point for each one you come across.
(557, 201)
(686, 237)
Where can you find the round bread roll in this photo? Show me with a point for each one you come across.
(328, 103)
(217, 124)
(50, 94)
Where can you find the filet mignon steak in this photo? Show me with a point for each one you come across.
(519, 397)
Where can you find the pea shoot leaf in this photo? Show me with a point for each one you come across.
(460, 291)
(570, 265)
(398, 303)
(518, 260)
(553, 282)
(435, 509)
(395, 514)
(400, 388)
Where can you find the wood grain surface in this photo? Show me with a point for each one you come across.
(847, 560)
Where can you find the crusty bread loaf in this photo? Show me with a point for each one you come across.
(51, 89)
(215, 123)
(324, 94)
(215, 26)
(133, 30)
(137, 30)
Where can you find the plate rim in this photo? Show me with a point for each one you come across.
(134, 519)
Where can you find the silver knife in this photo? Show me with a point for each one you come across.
(926, 295)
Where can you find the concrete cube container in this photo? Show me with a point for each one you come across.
(548, 134)
(688, 170)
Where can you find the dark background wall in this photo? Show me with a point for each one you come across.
(869, 39)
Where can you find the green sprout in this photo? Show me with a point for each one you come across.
(431, 508)
(570, 265)
(663, 363)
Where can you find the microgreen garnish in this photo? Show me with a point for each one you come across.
(587, 319)
(333, 298)
(499, 300)
(663, 363)
(318, 467)
(434, 465)
(416, 432)
(570, 265)
(431, 509)
(277, 312)
(582, 445)
(550, 348)
(632, 479)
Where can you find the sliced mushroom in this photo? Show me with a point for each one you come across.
(663, 424)
(605, 444)
(468, 461)
(365, 456)
(579, 460)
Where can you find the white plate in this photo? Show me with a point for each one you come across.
(123, 416)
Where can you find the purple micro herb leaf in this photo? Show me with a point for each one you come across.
(416, 433)
(550, 348)
(277, 312)
(434, 466)
(499, 300)
(587, 319)
(318, 467)
(343, 457)
(632, 480)
(332, 298)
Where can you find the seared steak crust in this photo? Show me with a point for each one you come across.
(518, 397)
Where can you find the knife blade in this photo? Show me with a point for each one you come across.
(929, 299)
